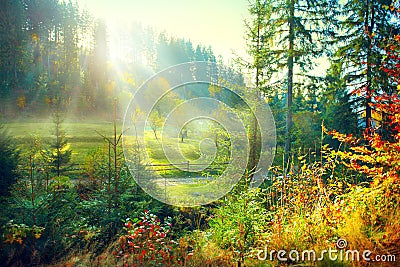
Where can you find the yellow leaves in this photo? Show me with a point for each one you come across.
(213, 89)
(361, 149)
(110, 88)
(21, 102)
(390, 7)
(315, 188)
(376, 115)
(324, 128)
(346, 138)
(88, 235)
(17, 233)
(128, 78)
(303, 168)
(35, 37)
(47, 100)
(66, 147)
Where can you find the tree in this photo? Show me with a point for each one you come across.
(183, 134)
(258, 31)
(9, 158)
(286, 36)
(12, 54)
(380, 160)
(98, 70)
(40, 54)
(337, 111)
(58, 154)
(300, 27)
(367, 79)
(155, 121)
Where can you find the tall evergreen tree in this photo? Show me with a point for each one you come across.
(337, 108)
(12, 49)
(287, 36)
(258, 31)
(97, 69)
(363, 26)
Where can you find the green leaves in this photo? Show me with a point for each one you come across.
(239, 221)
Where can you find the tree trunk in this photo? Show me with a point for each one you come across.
(369, 28)
(289, 119)
(258, 73)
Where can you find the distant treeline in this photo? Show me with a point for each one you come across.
(55, 53)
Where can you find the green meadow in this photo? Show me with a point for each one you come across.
(85, 136)
(82, 136)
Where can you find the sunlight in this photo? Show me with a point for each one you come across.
(127, 140)
(180, 18)
(118, 43)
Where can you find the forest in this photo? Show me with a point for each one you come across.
(172, 155)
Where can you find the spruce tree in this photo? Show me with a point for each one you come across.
(58, 154)
(8, 161)
(286, 37)
(363, 26)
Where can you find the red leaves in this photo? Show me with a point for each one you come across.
(146, 241)
(128, 225)
(381, 158)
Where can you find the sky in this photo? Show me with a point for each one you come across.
(219, 23)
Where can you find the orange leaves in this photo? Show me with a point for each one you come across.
(377, 157)
(392, 8)
(361, 150)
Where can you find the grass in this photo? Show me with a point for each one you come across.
(189, 149)
(82, 137)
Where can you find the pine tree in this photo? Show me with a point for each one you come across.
(258, 30)
(58, 154)
(8, 161)
(363, 26)
(286, 37)
(337, 111)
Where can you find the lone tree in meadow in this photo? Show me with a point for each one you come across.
(58, 154)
